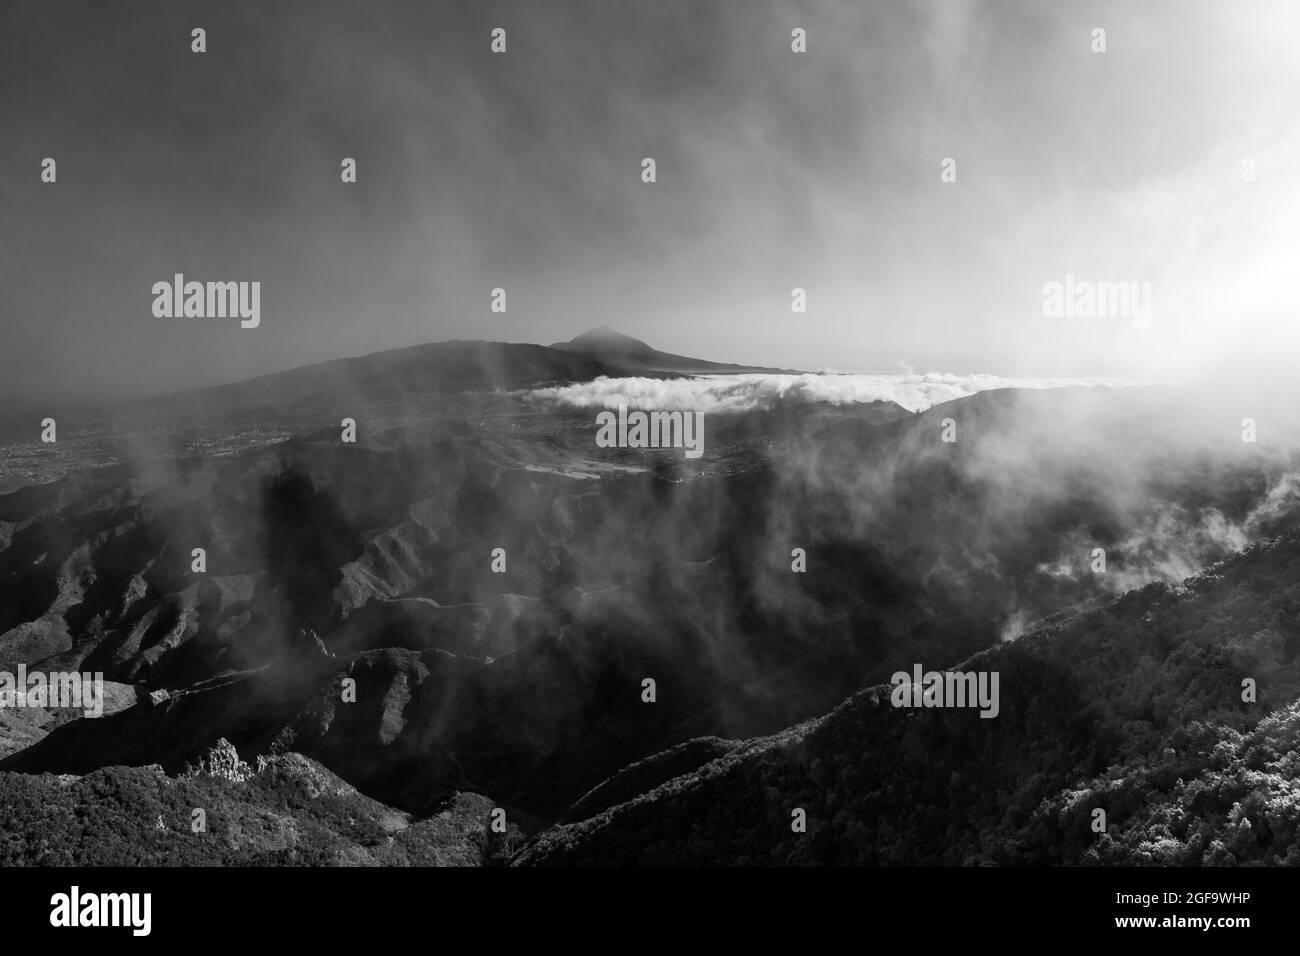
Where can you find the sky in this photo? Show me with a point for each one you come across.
(775, 169)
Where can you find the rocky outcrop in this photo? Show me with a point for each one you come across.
(221, 761)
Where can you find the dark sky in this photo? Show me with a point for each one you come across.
(775, 170)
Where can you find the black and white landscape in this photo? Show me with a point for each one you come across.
(912, 475)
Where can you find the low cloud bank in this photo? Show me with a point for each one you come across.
(742, 393)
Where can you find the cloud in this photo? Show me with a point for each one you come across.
(1170, 542)
(741, 393)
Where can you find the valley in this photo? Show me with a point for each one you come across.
(329, 562)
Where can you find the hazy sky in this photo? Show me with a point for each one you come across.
(775, 170)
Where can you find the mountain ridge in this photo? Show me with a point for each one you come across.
(1174, 794)
(635, 356)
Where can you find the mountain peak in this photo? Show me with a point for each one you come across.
(604, 339)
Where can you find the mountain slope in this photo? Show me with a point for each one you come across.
(1135, 709)
(409, 373)
(632, 356)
